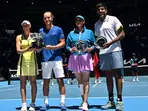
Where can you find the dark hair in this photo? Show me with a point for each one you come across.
(101, 5)
(48, 12)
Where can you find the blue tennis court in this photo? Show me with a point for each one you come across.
(135, 95)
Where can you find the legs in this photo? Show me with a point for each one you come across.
(61, 89)
(46, 75)
(59, 74)
(135, 73)
(32, 79)
(119, 85)
(33, 88)
(110, 85)
(118, 79)
(23, 88)
(46, 90)
(137, 76)
(80, 83)
(23, 92)
(83, 81)
(45, 93)
(57, 68)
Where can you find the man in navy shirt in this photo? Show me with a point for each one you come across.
(52, 61)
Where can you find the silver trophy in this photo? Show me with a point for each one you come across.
(38, 42)
(81, 46)
(100, 40)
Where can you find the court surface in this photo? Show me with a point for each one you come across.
(135, 95)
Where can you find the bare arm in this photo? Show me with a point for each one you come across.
(18, 48)
(120, 36)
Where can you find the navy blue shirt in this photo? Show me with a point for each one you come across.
(52, 37)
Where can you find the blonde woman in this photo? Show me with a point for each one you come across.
(27, 64)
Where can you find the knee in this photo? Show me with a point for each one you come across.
(23, 84)
(33, 82)
(60, 82)
(85, 83)
(46, 83)
(118, 76)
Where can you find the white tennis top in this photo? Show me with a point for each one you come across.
(108, 29)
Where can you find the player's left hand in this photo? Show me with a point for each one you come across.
(88, 49)
(48, 47)
(106, 45)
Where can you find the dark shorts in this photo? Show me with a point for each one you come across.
(135, 69)
(122, 72)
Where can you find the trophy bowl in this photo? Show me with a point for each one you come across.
(81, 46)
(38, 42)
(100, 40)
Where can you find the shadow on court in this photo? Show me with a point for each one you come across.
(68, 107)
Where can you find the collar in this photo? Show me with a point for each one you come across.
(76, 31)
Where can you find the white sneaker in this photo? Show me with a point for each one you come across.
(99, 81)
(133, 79)
(96, 81)
(71, 82)
(80, 107)
(24, 107)
(123, 80)
(68, 81)
(137, 79)
(52, 83)
(32, 107)
(85, 107)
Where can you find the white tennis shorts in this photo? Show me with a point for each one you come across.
(55, 66)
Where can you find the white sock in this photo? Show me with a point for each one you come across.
(24, 103)
(62, 98)
(45, 99)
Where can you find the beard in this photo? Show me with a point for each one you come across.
(102, 17)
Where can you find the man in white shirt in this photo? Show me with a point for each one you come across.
(111, 60)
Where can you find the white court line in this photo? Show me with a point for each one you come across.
(123, 85)
(57, 86)
(95, 84)
(124, 67)
(136, 85)
(76, 98)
